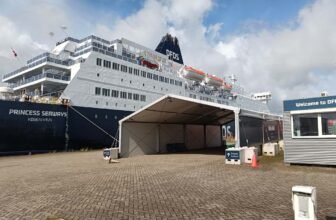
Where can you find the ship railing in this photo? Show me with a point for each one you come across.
(52, 59)
(48, 74)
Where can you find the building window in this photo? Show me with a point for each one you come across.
(99, 62)
(328, 123)
(305, 125)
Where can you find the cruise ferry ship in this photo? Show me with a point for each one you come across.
(74, 96)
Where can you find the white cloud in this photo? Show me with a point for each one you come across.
(292, 62)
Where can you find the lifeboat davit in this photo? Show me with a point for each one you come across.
(213, 80)
(193, 74)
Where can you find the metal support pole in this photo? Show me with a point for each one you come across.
(205, 136)
(221, 135)
(158, 139)
(237, 129)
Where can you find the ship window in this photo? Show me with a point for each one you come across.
(149, 75)
(107, 64)
(123, 95)
(153, 87)
(143, 98)
(98, 74)
(99, 62)
(122, 80)
(180, 83)
(166, 80)
(124, 68)
(115, 93)
(106, 103)
(106, 117)
(161, 79)
(96, 102)
(97, 92)
(115, 66)
(130, 81)
(143, 84)
(129, 95)
(130, 70)
(171, 81)
(135, 96)
(155, 77)
(106, 92)
(96, 116)
(143, 73)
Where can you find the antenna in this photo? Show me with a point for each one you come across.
(233, 78)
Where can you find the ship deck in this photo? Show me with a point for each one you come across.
(193, 185)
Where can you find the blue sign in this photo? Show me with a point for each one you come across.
(232, 155)
(310, 103)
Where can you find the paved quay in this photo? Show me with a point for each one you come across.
(80, 185)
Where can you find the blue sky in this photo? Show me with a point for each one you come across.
(235, 15)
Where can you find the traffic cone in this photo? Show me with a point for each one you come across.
(254, 161)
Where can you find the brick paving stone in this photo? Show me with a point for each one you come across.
(80, 185)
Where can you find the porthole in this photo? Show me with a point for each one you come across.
(143, 84)
(122, 80)
(98, 74)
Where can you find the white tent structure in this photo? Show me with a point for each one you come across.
(173, 119)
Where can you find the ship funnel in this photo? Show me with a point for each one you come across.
(169, 46)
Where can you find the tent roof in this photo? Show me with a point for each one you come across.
(173, 109)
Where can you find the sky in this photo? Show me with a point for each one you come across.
(283, 46)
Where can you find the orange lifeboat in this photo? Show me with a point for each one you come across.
(213, 80)
(193, 74)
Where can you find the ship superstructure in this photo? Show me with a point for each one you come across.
(121, 75)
